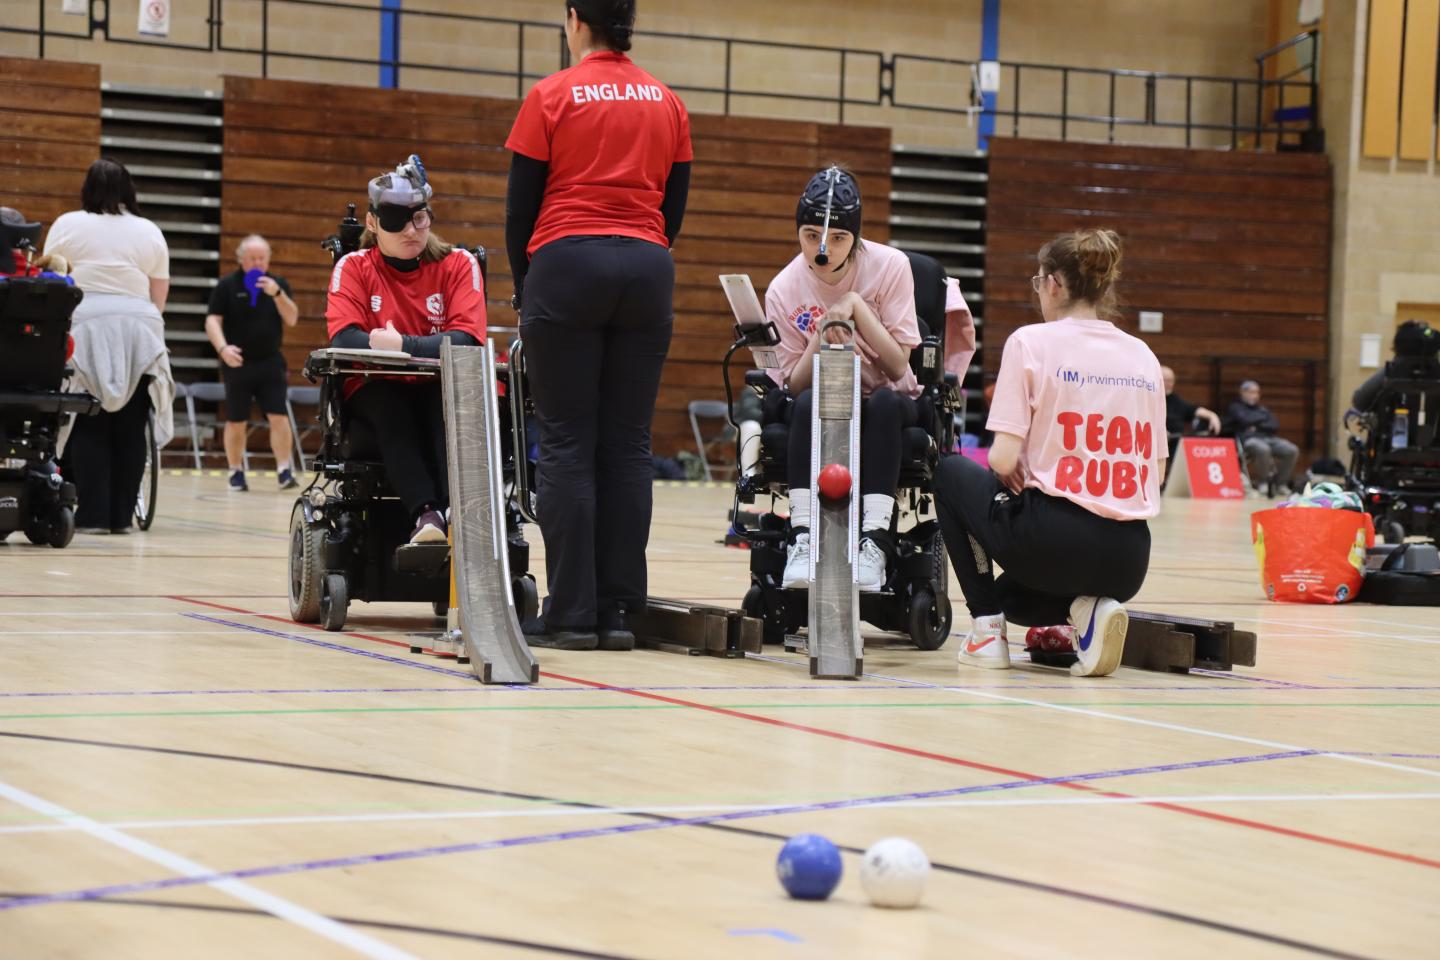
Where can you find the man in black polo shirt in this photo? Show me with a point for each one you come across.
(249, 310)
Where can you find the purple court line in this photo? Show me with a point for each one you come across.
(370, 654)
(1226, 675)
(306, 866)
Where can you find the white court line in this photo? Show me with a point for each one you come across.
(701, 809)
(1337, 630)
(275, 906)
(1178, 728)
(105, 633)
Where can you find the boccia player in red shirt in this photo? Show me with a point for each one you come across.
(598, 185)
(406, 289)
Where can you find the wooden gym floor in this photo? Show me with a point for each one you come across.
(186, 773)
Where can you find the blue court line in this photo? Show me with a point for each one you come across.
(418, 853)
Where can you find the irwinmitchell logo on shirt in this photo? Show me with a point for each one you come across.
(597, 92)
(1110, 456)
(1080, 378)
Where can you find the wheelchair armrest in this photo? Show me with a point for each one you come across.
(759, 380)
(927, 360)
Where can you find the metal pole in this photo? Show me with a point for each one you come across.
(843, 61)
(1259, 105)
(520, 65)
(1112, 107)
(1015, 124)
(728, 48)
(264, 38)
(42, 28)
(1064, 101)
(1234, 114)
(1188, 85)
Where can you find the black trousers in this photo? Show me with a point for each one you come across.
(596, 323)
(883, 416)
(105, 459)
(409, 424)
(1052, 550)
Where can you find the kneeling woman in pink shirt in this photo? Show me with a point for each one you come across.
(1079, 453)
(839, 276)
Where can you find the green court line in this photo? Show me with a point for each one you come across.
(553, 708)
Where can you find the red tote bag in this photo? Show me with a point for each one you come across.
(1310, 554)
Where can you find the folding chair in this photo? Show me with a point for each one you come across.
(710, 410)
(304, 397)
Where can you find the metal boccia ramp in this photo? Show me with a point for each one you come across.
(489, 628)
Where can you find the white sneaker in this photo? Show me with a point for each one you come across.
(871, 575)
(985, 646)
(1100, 625)
(797, 564)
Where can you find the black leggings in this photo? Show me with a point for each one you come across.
(1052, 550)
(409, 424)
(596, 323)
(884, 415)
(105, 458)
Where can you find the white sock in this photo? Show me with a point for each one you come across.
(875, 511)
(281, 468)
(800, 508)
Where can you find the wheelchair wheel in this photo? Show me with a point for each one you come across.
(307, 572)
(56, 530)
(1394, 532)
(929, 620)
(527, 598)
(334, 602)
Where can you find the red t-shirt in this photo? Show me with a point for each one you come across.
(366, 292)
(610, 133)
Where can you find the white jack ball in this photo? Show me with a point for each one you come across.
(893, 873)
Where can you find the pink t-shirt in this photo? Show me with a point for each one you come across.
(1088, 401)
(797, 300)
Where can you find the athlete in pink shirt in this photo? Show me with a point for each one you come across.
(839, 276)
(1079, 454)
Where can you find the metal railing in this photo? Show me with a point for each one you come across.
(1034, 99)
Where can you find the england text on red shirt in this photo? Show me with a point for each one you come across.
(610, 132)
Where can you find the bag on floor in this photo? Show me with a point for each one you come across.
(1407, 577)
(1311, 555)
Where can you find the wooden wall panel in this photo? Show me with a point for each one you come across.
(292, 162)
(1382, 78)
(1417, 90)
(49, 134)
(1234, 249)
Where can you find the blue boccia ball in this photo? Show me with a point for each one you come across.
(809, 867)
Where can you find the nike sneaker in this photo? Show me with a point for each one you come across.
(985, 646)
(1100, 625)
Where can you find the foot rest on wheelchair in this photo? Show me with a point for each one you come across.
(423, 559)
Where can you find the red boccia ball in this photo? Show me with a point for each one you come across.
(834, 481)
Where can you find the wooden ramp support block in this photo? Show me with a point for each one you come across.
(1157, 641)
(695, 629)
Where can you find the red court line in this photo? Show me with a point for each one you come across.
(922, 754)
(1018, 774)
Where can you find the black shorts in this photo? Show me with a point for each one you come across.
(262, 382)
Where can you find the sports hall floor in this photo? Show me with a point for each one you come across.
(186, 773)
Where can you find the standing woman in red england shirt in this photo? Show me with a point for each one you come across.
(406, 289)
(598, 184)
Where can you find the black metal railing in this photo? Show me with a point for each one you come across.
(1036, 99)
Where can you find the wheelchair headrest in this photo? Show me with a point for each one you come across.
(929, 293)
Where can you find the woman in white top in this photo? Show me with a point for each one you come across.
(121, 262)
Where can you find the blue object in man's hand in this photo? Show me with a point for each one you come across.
(252, 283)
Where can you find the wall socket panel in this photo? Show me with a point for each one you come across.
(1151, 321)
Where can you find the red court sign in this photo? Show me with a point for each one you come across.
(1206, 468)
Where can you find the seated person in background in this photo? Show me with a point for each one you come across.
(869, 284)
(406, 289)
(1269, 459)
(1182, 416)
(1416, 347)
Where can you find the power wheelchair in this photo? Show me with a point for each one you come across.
(34, 347)
(348, 530)
(915, 599)
(1395, 448)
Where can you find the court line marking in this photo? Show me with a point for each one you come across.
(670, 810)
(1339, 632)
(196, 873)
(970, 873)
(925, 754)
(610, 830)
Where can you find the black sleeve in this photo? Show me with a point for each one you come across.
(284, 285)
(677, 193)
(218, 295)
(1366, 394)
(1269, 424)
(430, 346)
(351, 338)
(522, 209)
